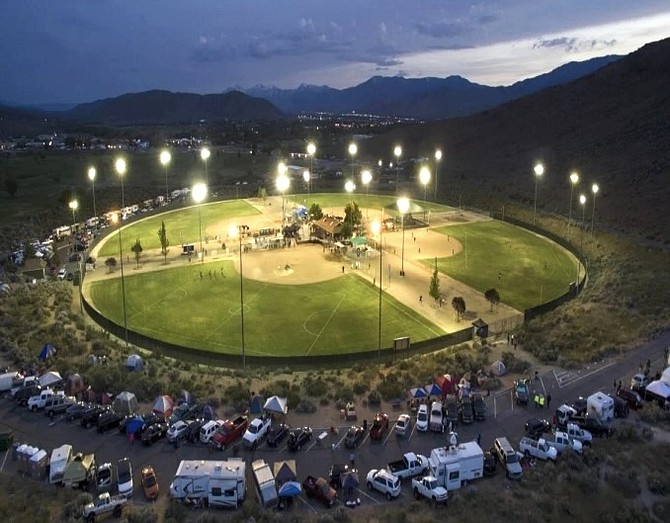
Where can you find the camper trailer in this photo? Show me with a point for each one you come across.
(60, 458)
(266, 489)
(601, 406)
(214, 483)
(456, 464)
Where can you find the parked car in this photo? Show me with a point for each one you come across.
(154, 432)
(596, 426)
(277, 434)
(76, 410)
(177, 431)
(298, 438)
(354, 436)
(320, 489)
(535, 427)
(639, 382)
(149, 483)
(58, 405)
(109, 420)
(105, 477)
(631, 397)
(385, 482)
(403, 426)
(125, 476)
(467, 414)
(451, 409)
(379, 426)
(335, 473)
(23, 394)
(490, 465)
(194, 427)
(521, 392)
(91, 415)
(422, 418)
(478, 407)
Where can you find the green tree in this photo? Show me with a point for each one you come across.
(262, 193)
(165, 243)
(492, 297)
(137, 249)
(11, 186)
(347, 230)
(352, 214)
(434, 289)
(458, 303)
(315, 212)
(111, 263)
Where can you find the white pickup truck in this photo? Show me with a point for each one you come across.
(538, 449)
(561, 441)
(104, 504)
(39, 401)
(574, 431)
(256, 431)
(429, 488)
(409, 466)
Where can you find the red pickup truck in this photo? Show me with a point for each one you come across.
(229, 432)
(379, 426)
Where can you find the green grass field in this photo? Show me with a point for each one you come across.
(371, 201)
(337, 316)
(524, 268)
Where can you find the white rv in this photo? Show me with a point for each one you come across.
(601, 406)
(266, 490)
(214, 483)
(456, 464)
(60, 458)
(9, 380)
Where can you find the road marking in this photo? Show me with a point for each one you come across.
(369, 496)
(339, 442)
(391, 431)
(4, 460)
(308, 505)
(566, 378)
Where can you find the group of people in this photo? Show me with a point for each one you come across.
(541, 400)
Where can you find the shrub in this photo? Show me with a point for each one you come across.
(658, 483)
(374, 398)
(305, 406)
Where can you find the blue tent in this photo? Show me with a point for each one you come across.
(47, 352)
(434, 390)
(418, 393)
(135, 425)
(208, 413)
(290, 489)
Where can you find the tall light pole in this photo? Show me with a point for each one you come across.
(306, 176)
(353, 149)
(91, 176)
(424, 178)
(403, 207)
(73, 205)
(199, 193)
(366, 178)
(582, 202)
(120, 167)
(204, 154)
(349, 186)
(377, 229)
(594, 190)
(165, 161)
(235, 231)
(539, 171)
(438, 157)
(116, 218)
(574, 179)
(311, 150)
(397, 151)
(282, 183)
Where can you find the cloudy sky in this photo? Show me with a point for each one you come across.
(83, 50)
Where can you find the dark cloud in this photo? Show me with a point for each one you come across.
(572, 45)
(442, 29)
(487, 19)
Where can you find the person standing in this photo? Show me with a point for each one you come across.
(548, 400)
(420, 298)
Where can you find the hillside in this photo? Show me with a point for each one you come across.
(613, 127)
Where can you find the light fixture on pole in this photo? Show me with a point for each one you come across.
(424, 178)
(594, 190)
(205, 154)
(91, 176)
(199, 193)
(165, 161)
(116, 218)
(438, 157)
(377, 229)
(73, 205)
(353, 149)
(582, 202)
(403, 207)
(306, 178)
(539, 171)
(120, 167)
(235, 231)
(574, 179)
(349, 186)
(366, 178)
(311, 150)
(397, 151)
(282, 183)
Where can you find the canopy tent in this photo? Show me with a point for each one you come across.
(418, 392)
(48, 351)
(498, 368)
(276, 404)
(433, 390)
(665, 377)
(284, 471)
(290, 489)
(134, 362)
(447, 384)
(659, 388)
(359, 241)
(163, 405)
(49, 378)
(125, 403)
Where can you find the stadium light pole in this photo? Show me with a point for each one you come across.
(377, 229)
(403, 207)
(353, 149)
(539, 171)
(582, 202)
(205, 154)
(120, 167)
(199, 193)
(236, 231)
(438, 157)
(306, 176)
(574, 179)
(73, 205)
(397, 151)
(311, 150)
(366, 178)
(116, 218)
(424, 178)
(91, 176)
(594, 189)
(282, 183)
(165, 161)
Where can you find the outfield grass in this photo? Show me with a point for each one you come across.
(181, 226)
(525, 269)
(337, 316)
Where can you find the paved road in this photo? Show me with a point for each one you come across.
(316, 457)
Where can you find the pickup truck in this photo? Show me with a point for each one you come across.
(39, 401)
(429, 488)
(256, 431)
(320, 489)
(104, 504)
(538, 449)
(451, 409)
(436, 417)
(410, 465)
(576, 432)
(561, 441)
(229, 432)
(379, 426)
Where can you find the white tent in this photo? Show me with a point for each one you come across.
(659, 388)
(49, 378)
(665, 377)
(134, 362)
(125, 403)
(498, 368)
(276, 404)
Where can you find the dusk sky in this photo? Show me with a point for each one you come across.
(83, 50)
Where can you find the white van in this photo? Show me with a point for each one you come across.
(208, 430)
(9, 380)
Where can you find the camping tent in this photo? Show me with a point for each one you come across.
(276, 404)
(47, 352)
(498, 368)
(665, 377)
(433, 390)
(49, 378)
(659, 388)
(135, 425)
(284, 471)
(290, 489)
(208, 413)
(418, 393)
(163, 405)
(134, 362)
(185, 397)
(74, 384)
(125, 403)
(446, 383)
(256, 405)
